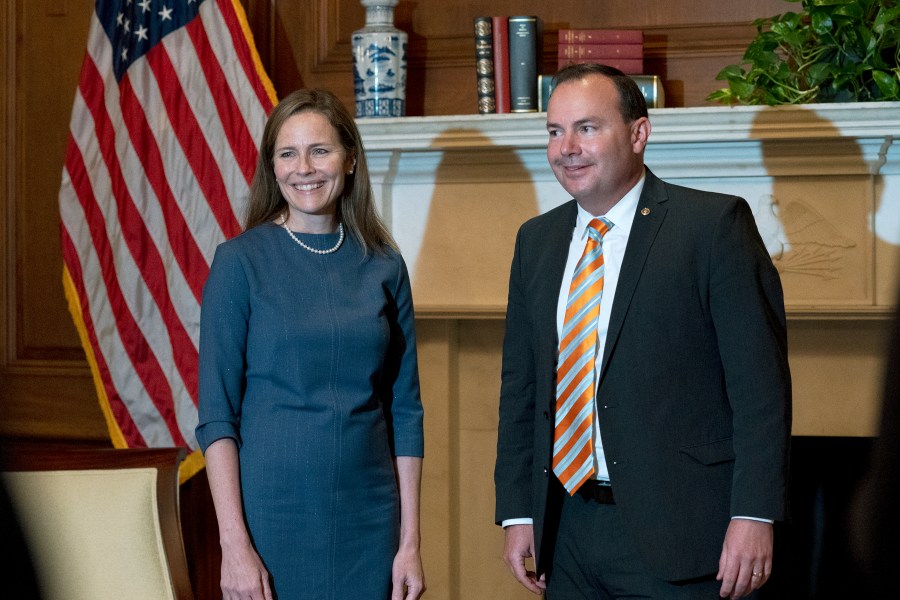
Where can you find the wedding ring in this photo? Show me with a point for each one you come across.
(757, 574)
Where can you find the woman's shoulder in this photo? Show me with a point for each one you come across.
(248, 240)
(388, 256)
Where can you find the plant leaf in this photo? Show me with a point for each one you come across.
(821, 22)
(884, 17)
(740, 88)
(731, 72)
(850, 9)
(818, 73)
(722, 96)
(887, 84)
(830, 2)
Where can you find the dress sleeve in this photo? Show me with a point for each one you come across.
(223, 343)
(400, 393)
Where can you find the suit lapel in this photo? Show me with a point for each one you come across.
(640, 240)
(555, 251)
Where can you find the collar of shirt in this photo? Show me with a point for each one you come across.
(621, 215)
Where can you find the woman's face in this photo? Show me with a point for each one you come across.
(310, 166)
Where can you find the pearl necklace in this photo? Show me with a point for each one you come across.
(315, 250)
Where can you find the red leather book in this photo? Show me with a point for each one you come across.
(501, 64)
(601, 36)
(601, 51)
(629, 66)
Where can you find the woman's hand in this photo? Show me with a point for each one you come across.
(407, 575)
(243, 575)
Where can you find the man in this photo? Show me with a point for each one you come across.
(666, 481)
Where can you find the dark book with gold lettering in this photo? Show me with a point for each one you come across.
(484, 65)
(524, 44)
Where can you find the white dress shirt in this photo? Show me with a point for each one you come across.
(621, 216)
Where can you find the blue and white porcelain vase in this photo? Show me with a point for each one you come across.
(379, 63)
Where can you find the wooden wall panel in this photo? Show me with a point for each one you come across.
(45, 388)
(48, 66)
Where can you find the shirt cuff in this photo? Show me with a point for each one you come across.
(523, 521)
(769, 521)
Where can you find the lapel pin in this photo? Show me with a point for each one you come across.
(645, 211)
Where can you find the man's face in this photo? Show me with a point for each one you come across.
(594, 153)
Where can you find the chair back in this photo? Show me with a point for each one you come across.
(100, 523)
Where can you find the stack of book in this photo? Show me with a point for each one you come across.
(507, 54)
(619, 48)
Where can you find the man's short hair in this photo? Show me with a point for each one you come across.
(632, 103)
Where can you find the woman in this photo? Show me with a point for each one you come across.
(310, 417)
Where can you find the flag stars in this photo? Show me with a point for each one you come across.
(145, 5)
(165, 14)
(124, 54)
(141, 33)
(120, 19)
(127, 25)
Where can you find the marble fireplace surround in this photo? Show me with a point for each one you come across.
(823, 182)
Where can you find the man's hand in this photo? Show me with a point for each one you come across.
(746, 561)
(519, 547)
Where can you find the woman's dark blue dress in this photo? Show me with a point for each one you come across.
(309, 362)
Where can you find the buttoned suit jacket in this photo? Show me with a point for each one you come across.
(694, 388)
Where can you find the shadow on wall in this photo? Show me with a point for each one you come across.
(827, 249)
(480, 199)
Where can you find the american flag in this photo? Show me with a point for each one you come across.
(165, 126)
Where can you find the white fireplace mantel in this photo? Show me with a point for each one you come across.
(679, 137)
(823, 181)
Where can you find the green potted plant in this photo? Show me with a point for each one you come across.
(829, 51)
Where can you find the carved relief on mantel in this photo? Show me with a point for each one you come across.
(823, 183)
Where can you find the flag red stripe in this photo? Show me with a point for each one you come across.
(242, 49)
(193, 142)
(229, 112)
(127, 328)
(70, 256)
(184, 247)
(143, 360)
(143, 250)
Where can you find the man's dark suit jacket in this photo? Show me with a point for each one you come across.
(694, 388)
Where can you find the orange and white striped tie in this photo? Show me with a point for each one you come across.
(573, 446)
